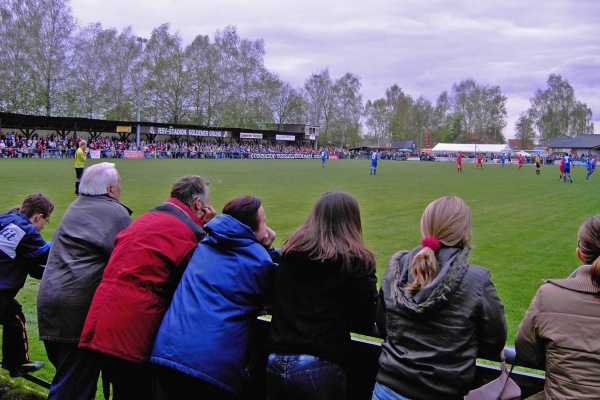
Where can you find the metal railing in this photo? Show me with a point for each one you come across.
(363, 368)
(364, 365)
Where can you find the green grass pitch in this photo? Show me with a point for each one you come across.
(524, 225)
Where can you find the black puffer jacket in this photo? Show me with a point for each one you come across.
(434, 336)
(316, 306)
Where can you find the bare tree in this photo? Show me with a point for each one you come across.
(206, 82)
(16, 87)
(378, 121)
(288, 105)
(557, 113)
(120, 84)
(167, 94)
(34, 54)
(400, 105)
(50, 24)
(524, 131)
(483, 110)
(344, 125)
(422, 120)
(319, 96)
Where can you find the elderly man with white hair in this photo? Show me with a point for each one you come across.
(81, 247)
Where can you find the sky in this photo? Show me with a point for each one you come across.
(423, 46)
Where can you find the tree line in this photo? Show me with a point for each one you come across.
(51, 66)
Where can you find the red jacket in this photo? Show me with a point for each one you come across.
(139, 281)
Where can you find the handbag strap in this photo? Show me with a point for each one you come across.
(505, 369)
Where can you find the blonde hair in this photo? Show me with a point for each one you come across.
(448, 219)
(588, 242)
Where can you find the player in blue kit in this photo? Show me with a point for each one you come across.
(591, 166)
(503, 160)
(374, 159)
(568, 163)
(324, 157)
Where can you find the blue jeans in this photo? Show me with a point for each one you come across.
(304, 377)
(382, 392)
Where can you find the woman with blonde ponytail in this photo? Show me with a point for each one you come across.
(559, 333)
(437, 312)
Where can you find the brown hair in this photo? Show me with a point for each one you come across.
(37, 203)
(333, 232)
(244, 209)
(589, 246)
(448, 219)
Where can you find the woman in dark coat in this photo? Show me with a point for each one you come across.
(437, 312)
(325, 289)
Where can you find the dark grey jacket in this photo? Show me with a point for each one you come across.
(81, 247)
(434, 336)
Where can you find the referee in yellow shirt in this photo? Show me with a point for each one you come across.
(80, 157)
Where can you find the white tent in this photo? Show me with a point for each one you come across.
(471, 148)
(522, 153)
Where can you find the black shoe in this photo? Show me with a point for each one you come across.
(30, 366)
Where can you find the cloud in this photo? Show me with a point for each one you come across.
(425, 47)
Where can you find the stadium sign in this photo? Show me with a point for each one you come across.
(246, 135)
(151, 130)
(172, 131)
(123, 129)
(273, 156)
(290, 138)
(205, 133)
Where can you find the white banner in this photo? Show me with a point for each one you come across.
(94, 154)
(285, 137)
(244, 135)
(287, 156)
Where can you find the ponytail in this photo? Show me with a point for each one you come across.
(446, 221)
(596, 273)
(424, 267)
(588, 244)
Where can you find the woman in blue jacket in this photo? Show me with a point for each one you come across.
(203, 340)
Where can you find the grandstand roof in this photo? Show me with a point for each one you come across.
(30, 124)
(404, 144)
(580, 141)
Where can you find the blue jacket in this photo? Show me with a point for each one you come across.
(21, 248)
(207, 328)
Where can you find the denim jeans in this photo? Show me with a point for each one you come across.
(304, 377)
(77, 372)
(382, 392)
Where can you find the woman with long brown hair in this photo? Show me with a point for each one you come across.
(325, 288)
(437, 312)
(559, 333)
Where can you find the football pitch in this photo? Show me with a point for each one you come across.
(524, 225)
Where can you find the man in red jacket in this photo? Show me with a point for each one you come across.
(138, 284)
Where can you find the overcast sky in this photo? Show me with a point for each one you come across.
(423, 46)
